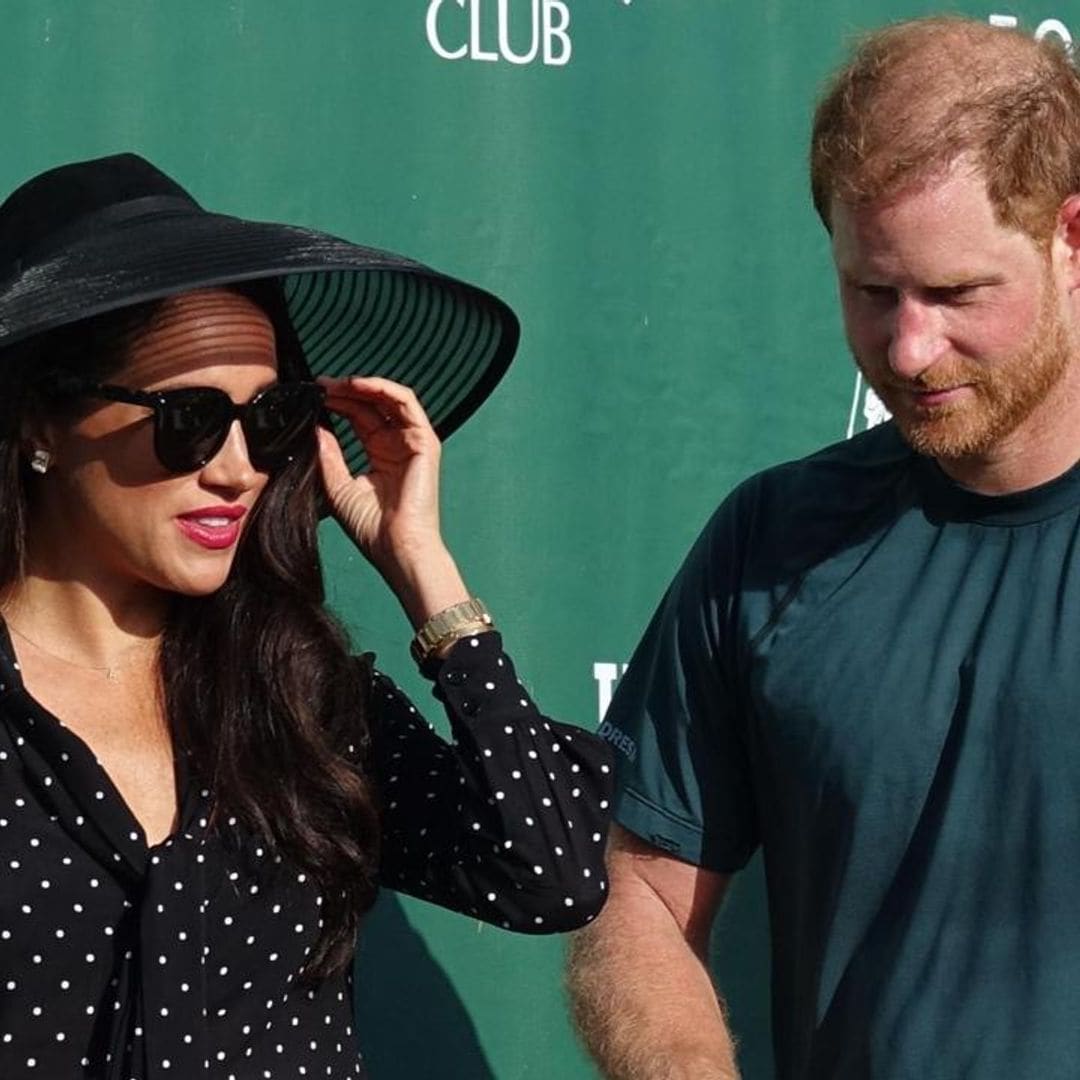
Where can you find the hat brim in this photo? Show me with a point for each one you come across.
(355, 310)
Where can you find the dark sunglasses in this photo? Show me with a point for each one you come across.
(192, 423)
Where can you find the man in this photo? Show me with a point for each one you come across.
(870, 662)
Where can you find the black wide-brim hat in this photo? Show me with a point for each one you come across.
(96, 236)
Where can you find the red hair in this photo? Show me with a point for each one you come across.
(918, 96)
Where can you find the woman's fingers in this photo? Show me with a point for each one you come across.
(392, 401)
(391, 510)
(335, 472)
(387, 418)
(365, 417)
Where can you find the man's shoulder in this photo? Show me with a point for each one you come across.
(841, 475)
(805, 505)
(842, 468)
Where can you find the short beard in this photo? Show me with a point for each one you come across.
(1004, 396)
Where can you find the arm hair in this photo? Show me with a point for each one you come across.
(641, 995)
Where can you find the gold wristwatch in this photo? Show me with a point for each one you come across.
(444, 627)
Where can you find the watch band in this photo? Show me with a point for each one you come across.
(460, 620)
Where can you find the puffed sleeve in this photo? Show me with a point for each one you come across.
(506, 822)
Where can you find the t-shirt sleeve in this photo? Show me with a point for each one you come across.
(683, 780)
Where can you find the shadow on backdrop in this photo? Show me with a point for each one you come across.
(411, 1022)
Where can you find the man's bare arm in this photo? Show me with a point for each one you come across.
(642, 997)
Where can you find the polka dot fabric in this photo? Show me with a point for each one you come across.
(514, 815)
(125, 962)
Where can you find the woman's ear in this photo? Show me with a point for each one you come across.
(40, 460)
(37, 437)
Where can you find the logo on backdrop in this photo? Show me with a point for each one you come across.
(867, 409)
(1046, 27)
(534, 32)
(606, 675)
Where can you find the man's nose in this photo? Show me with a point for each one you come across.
(917, 339)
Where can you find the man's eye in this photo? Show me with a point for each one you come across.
(952, 294)
(878, 292)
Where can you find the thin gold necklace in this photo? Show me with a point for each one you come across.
(111, 671)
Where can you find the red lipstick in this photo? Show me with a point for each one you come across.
(212, 527)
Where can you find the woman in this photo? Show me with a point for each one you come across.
(200, 789)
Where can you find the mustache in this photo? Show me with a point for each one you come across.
(929, 383)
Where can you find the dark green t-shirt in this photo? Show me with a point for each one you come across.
(875, 675)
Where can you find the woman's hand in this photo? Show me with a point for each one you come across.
(391, 511)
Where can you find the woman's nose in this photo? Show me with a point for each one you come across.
(231, 466)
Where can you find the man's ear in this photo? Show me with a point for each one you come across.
(1066, 242)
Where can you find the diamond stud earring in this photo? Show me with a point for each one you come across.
(40, 461)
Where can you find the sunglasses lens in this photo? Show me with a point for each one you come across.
(279, 420)
(191, 427)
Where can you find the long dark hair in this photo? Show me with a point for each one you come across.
(260, 690)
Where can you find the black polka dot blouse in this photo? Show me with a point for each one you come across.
(125, 962)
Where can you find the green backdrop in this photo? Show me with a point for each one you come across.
(629, 174)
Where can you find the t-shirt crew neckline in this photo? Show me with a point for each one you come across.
(948, 500)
